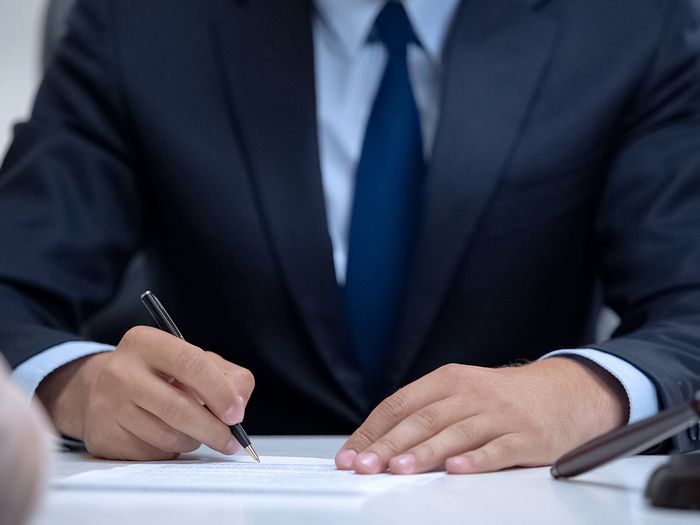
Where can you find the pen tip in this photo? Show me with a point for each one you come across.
(251, 452)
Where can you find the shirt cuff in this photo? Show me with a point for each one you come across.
(641, 392)
(34, 370)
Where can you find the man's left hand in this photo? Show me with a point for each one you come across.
(468, 419)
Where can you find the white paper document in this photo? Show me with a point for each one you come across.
(241, 474)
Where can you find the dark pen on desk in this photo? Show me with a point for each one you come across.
(628, 440)
(166, 323)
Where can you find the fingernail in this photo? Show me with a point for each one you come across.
(457, 465)
(368, 460)
(232, 447)
(345, 459)
(403, 464)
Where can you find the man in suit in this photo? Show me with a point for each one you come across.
(337, 199)
(23, 454)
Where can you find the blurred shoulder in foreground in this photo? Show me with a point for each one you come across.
(23, 453)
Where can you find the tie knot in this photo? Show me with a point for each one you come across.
(393, 28)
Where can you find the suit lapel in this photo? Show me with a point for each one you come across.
(495, 57)
(266, 53)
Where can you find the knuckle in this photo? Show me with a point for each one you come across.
(241, 376)
(494, 454)
(426, 451)
(481, 458)
(224, 390)
(134, 335)
(362, 438)
(490, 453)
(467, 432)
(429, 419)
(390, 444)
(511, 446)
(192, 362)
(449, 370)
(249, 379)
(174, 409)
(393, 407)
(244, 382)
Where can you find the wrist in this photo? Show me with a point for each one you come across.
(598, 397)
(66, 391)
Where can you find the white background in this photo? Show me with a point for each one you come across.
(21, 23)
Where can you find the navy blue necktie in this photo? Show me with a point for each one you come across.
(386, 206)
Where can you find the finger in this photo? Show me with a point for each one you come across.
(121, 444)
(189, 365)
(508, 450)
(426, 390)
(457, 438)
(182, 387)
(240, 377)
(416, 428)
(187, 390)
(179, 411)
(154, 431)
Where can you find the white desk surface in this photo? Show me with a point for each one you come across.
(612, 494)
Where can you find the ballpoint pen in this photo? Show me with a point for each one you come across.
(166, 323)
(628, 440)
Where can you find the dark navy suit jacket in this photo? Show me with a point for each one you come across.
(565, 174)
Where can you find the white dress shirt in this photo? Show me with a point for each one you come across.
(348, 74)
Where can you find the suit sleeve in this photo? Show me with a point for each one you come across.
(649, 220)
(69, 201)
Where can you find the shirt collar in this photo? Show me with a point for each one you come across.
(350, 21)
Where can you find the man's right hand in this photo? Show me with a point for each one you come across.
(144, 400)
